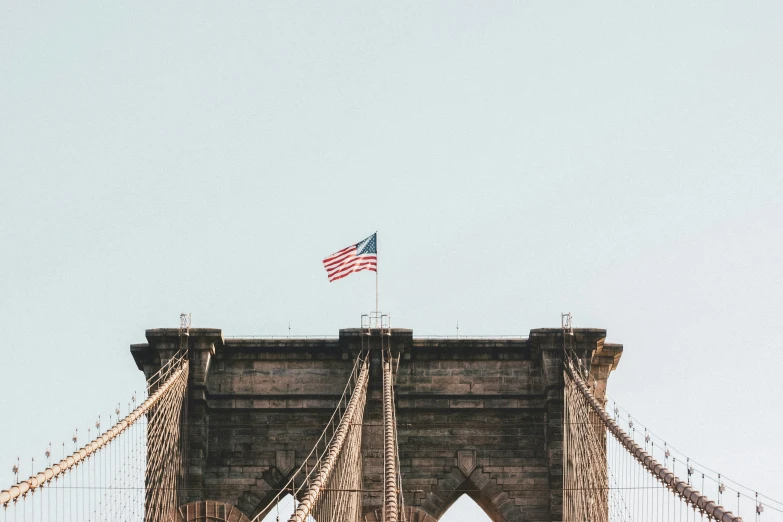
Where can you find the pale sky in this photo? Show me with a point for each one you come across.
(620, 161)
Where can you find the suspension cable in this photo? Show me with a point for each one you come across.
(681, 488)
(171, 372)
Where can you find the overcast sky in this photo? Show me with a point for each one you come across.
(620, 161)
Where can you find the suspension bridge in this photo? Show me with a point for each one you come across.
(375, 425)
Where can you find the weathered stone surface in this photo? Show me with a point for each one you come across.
(482, 417)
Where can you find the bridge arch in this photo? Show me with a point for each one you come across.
(479, 487)
(482, 490)
(267, 487)
(282, 509)
(465, 507)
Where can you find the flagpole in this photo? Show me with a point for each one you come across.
(377, 311)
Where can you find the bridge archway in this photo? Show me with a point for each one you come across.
(268, 484)
(480, 487)
(465, 508)
(282, 510)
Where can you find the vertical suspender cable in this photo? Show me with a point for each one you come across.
(390, 446)
(682, 489)
(335, 447)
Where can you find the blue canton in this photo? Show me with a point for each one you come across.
(368, 246)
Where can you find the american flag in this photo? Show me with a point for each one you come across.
(355, 258)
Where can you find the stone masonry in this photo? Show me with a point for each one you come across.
(482, 417)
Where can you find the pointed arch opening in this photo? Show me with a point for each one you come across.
(465, 509)
(283, 510)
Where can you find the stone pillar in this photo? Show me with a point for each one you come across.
(203, 342)
(549, 344)
(162, 344)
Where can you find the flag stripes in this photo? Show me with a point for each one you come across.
(355, 258)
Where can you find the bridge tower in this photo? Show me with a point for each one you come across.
(475, 416)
